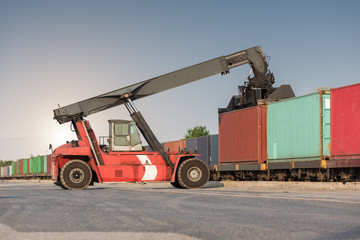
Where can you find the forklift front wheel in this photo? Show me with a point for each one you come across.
(76, 175)
(58, 183)
(176, 184)
(192, 173)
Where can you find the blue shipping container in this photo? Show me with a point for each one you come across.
(214, 150)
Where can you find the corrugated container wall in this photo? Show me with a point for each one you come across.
(242, 136)
(48, 162)
(298, 129)
(345, 122)
(34, 164)
(191, 145)
(203, 145)
(29, 165)
(25, 166)
(13, 168)
(214, 149)
(3, 171)
(41, 164)
(200, 145)
(45, 164)
(21, 167)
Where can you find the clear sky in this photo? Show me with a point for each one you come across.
(61, 52)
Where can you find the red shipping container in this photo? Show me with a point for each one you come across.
(242, 136)
(28, 166)
(175, 146)
(345, 122)
(21, 167)
(16, 168)
(48, 164)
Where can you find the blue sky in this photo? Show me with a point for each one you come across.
(61, 52)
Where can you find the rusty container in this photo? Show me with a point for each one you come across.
(48, 164)
(345, 122)
(175, 146)
(242, 135)
(21, 167)
(28, 165)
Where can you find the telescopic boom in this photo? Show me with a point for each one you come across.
(253, 56)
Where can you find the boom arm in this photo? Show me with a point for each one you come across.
(253, 56)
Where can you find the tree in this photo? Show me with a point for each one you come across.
(4, 163)
(197, 131)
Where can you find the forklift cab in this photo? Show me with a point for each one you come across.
(124, 136)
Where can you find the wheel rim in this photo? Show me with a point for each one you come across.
(77, 175)
(194, 174)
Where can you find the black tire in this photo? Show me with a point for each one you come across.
(192, 173)
(58, 183)
(176, 184)
(76, 175)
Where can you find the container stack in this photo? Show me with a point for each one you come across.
(39, 166)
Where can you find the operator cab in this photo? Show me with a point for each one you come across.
(124, 136)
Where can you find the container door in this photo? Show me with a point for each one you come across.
(326, 134)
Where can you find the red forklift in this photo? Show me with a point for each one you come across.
(80, 163)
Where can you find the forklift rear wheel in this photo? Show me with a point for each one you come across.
(76, 175)
(192, 173)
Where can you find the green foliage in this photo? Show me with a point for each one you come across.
(197, 131)
(5, 163)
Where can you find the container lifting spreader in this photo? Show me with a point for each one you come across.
(79, 163)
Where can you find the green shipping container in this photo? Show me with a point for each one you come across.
(34, 164)
(41, 164)
(13, 168)
(30, 165)
(17, 167)
(298, 129)
(25, 164)
(45, 164)
(31, 162)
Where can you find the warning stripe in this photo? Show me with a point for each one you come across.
(150, 170)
